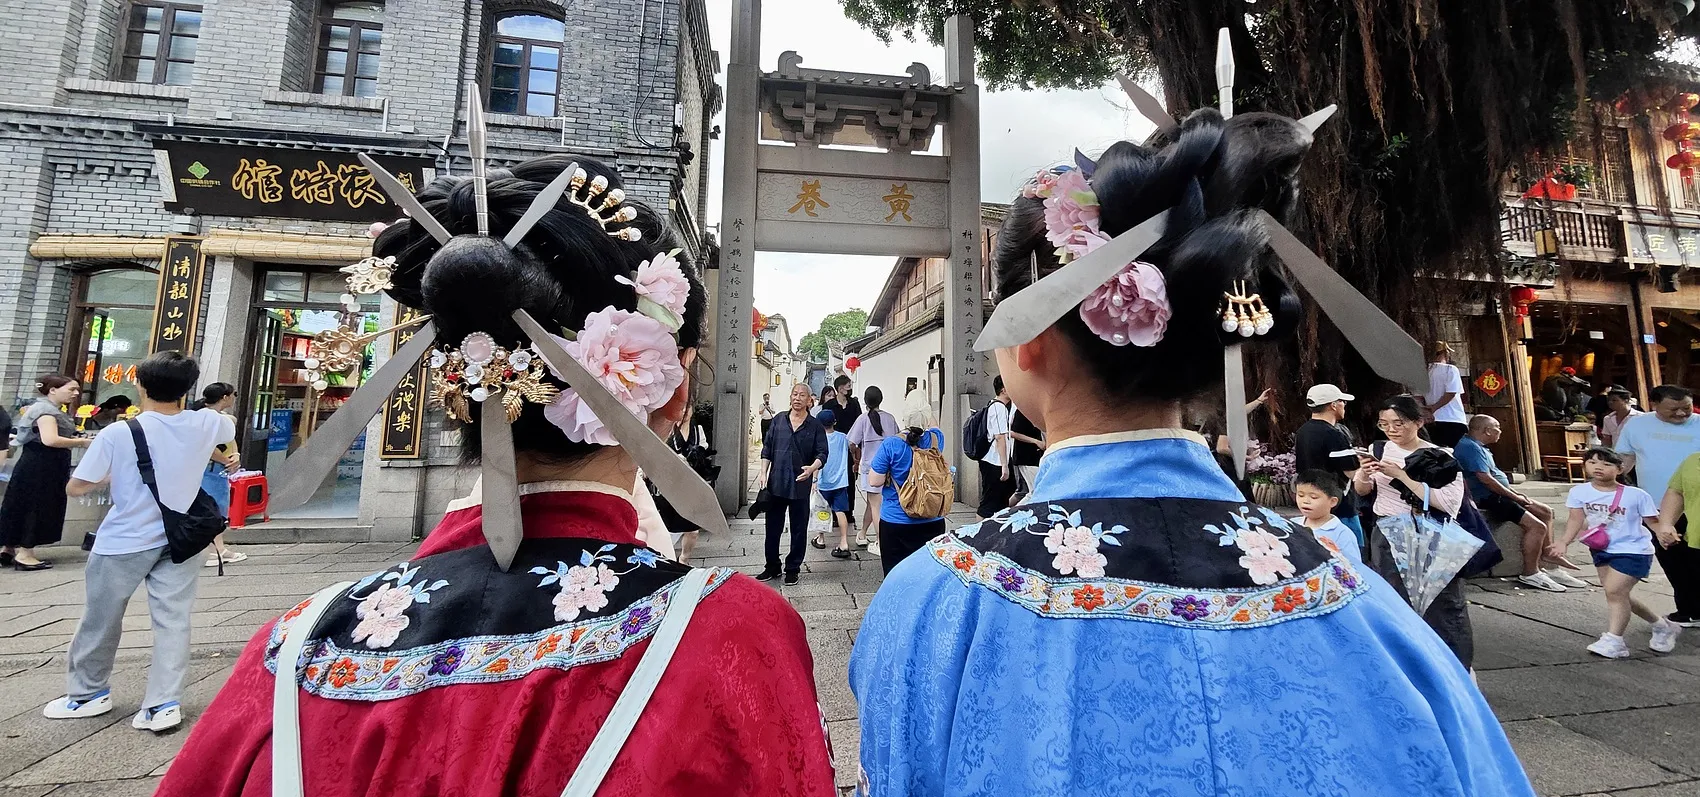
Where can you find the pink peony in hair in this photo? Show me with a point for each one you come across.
(1070, 208)
(661, 280)
(1131, 308)
(634, 356)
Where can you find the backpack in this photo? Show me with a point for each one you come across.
(976, 443)
(929, 490)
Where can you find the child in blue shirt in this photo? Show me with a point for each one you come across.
(833, 481)
(1317, 493)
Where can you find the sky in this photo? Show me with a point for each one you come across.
(1021, 132)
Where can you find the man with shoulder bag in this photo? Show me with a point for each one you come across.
(159, 524)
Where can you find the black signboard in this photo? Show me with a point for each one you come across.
(222, 180)
(403, 412)
(179, 302)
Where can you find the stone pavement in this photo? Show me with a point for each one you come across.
(1582, 725)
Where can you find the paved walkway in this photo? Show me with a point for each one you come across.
(1583, 726)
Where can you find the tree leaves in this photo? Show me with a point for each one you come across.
(837, 327)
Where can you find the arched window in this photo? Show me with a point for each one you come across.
(525, 64)
(350, 34)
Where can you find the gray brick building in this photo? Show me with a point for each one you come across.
(116, 116)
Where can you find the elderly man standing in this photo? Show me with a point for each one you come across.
(1491, 489)
(1654, 445)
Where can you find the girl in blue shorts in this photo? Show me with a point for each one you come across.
(1627, 556)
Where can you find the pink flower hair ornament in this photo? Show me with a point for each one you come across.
(1132, 308)
(661, 288)
(633, 355)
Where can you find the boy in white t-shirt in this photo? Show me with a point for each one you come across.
(1625, 512)
(130, 546)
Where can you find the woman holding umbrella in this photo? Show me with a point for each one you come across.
(1408, 474)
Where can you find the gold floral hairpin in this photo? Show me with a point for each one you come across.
(479, 370)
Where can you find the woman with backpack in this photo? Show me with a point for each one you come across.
(1136, 625)
(900, 466)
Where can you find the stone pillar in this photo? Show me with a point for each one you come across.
(965, 384)
(734, 294)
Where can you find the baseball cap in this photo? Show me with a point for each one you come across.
(1320, 395)
(1567, 371)
(826, 418)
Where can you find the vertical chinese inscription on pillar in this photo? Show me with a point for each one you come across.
(406, 406)
(178, 305)
(736, 258)
(972, 369)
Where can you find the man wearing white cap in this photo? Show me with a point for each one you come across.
(1323, 445)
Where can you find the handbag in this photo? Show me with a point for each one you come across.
(1596, 537)
(186, 533)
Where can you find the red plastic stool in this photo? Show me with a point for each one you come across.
(248, 496)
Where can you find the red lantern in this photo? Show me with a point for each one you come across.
(758, 322)
(1683, 102)
(1686, 159)
(852, 362)
(1521, 297)
(1682, 131)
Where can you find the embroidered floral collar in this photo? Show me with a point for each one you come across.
(450, 619)
(1187, 562)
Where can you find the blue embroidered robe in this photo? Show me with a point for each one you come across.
(1137, 629)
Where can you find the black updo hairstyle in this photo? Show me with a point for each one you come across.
(562, 271)
(1211, 175)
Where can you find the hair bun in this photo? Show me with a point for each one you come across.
(1210, 174)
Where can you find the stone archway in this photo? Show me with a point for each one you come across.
(807, 198)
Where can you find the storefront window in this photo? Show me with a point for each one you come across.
(1678, 335)
(111, 318)
(294, 305)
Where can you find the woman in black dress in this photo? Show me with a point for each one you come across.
(33, 512)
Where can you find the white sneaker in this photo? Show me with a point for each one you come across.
(158, 719)
(1541, 581)
(65, 708)
(1565, 579)
(1664, 636)
(1610, 646)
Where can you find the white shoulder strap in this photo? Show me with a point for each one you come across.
(286, 700)
(600, 756)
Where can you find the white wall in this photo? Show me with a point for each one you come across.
(889, 370)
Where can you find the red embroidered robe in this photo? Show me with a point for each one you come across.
(445, 676)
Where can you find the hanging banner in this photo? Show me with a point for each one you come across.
(178, 305)
(404, 412)
(224, 180)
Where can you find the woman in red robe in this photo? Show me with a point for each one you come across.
(451, 675)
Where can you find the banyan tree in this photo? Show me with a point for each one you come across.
(1441, 101)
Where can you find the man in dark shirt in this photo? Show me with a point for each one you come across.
(845, 410)
(1323, 445)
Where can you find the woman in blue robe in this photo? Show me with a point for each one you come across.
(1136, 627)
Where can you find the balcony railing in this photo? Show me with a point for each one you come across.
(1530, 227)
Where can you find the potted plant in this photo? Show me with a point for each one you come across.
(1272, 477)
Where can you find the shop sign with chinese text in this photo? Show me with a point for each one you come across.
(1664, 246)
(403, 413)
(225, 180)
(178, 306)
